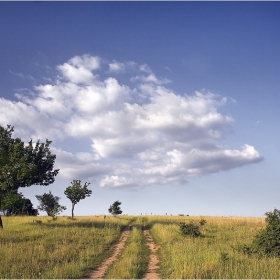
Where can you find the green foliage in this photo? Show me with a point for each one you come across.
(16, 204)
(267, 241)
(50, 204)
(190, 229)
(224, 257)
(76, 192)
(23, 166)
(115, 208)
(202, 222)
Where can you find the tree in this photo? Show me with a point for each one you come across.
(50, 204)
(23, 165)
(115, 208)
(16, 204)
(76, 192)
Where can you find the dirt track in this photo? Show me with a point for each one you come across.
(100, 272)
(152, 266)
(153, 263)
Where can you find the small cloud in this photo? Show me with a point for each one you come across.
(117, 182)
(145, 68)
(150, 79)
(116, 67)
(28, 77)
(79, 69)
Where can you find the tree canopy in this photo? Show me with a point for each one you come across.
(267, 240)
(23, 165)
(16, 204)
(76, 192)
(50, 204)
(115, 208)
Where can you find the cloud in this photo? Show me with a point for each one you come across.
(145, 68)
(79, 69)
(116, 67)
(28, 77)
(141, 133)
(79, 165)
(117, 182)
(151, 78)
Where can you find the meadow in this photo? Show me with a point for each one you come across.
(63, 248)
(215, 255)
(67, 248)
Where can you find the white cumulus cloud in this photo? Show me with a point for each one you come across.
(141, 132)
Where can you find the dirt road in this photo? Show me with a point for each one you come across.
(100, 272)
(153, 263)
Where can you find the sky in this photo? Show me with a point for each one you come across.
(169, 107)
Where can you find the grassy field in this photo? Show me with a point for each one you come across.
(67, 248)
(64, 248)
(216, 254)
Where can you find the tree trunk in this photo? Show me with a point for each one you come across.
(1, 224)
(73, 205)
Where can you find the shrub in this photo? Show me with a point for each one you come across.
(224, 257)
(202, 222)
(267, 241)
(191, 229)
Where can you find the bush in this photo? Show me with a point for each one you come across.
(202, 222)
(267, 241)
(191, 229)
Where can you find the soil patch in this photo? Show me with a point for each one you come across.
(100, 272)
(153, 263)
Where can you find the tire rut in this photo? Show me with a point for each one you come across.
(100, 272)
(153, 263)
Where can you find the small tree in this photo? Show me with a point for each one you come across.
(50, 204)
(76, 192)
(115, 208)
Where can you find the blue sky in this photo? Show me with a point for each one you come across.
(169, 107)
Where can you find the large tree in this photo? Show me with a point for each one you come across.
(76, 192)
(23, 165)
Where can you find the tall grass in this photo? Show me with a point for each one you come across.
(64, 248)
(133, 262)
(216, 254)
(68, 248)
